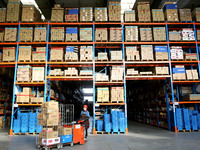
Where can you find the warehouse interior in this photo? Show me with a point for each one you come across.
(134, 64)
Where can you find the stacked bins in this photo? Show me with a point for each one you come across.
(179, 118)
(32, 122)
(194, 120)
(107, 123)
(16, 127)
(121, 121)
(114, 121)
(186, 119)
(99, 125)
(24, 122)
(198, 119)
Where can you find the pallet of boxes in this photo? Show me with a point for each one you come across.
(117, 94)
(102, 95)
(30, 14)
(13, 11)
(196, 14)
(179, 72)
(143, 12)
(171, 12)
(57, 13)
(49, 119)
(9, 54)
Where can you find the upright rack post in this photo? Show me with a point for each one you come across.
(93, 30)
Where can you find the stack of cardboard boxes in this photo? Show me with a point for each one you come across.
(190, 56)
(24, 96)
(131, 33)
(71, 53)
(171, 12)
(101, 77)
(196, 14)
(144, 12)
(39, 54)
(49, 119)
(71, 14)
(146, 34)
(57, 34)
(56, 54)
(2, 15)
(71, 34)
(102, 56)
(179, 72)
(38, 98)
(101, 14)
(30, 14)
(174, 35)
(57, 13)
(13, 11)
(132, 53)
(56, 72)
(176, 53)
(40, 34)
(101, 35)
(161, 53)
(161, 70)
(38, 74)
(159, 34)
(86, 14)
(86, 53)
(117, 73)
(115, 34)
(117, 94)
(85, 34)
(86, 73)
(102, 94)
(116, 55)
(24, 73)
(26, 34)
(147, 52)
(132, 72)
(158, 15)
(9, 54)
(114, 11)
(185, 14)
(129, 16)
(188, 34)
(1, 36)
(24, 53)
(71, 71)
(198, 35)
(192, 74)
(10, 35)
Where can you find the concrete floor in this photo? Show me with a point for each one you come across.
(140, 137)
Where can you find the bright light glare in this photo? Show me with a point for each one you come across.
(89, 98)
(87, 90)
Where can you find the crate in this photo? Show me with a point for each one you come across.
(24, 54)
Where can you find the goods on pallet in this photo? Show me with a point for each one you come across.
(102, 56)
(24, 96)
(147, 52)
(38, 74)
(132, 53)
(26, 34)
(86, 73)
(13, 11)
(56, 54)
(185, 14)
(132, 72)
(30, 14)
(159, 34)
(171, 12)
(176, 53)
(86, 14)
(24, 73)
(101, 77)
(10, 35)
(198, 35)
(131, 33)
(179, 73)
(174, 35)
(39, 54)
(101, 35)
(86, 53)
(71, 34)
(71, 53)
(57, 34)
(24, 53)
(144, 12)
(192, 74)
(158, 15)
(161, 70)
(116, 55)
(8, 54)
(85, 34)
(2, 14)
(37, 99)
(114, 11)
(192, 97)
(129, 16)
(71, 14)
(101, 14)
(146, 34)
(117, 73)
(102, 94)
(71, 71)
(117, 94)
(161, 53)
(190, 56)
(1, 36)
(40, 34)
(115, 34)
(196, 14)
(188, 34)
(57, 13)
(56, 72)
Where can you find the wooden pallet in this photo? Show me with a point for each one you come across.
(26, 41)
(180, 130)
(37, 81)
(191, 59)
(116, 60)
(102, 60)
(9, 61)
(56, 60)
(24, 60)
(102, 102)
(161, 74)
(40, 41)
(102, 81)
(72, 41)
(101, 40)
(36, 103)
(72, 75)
(86, 75)
(23, 103)
(132, 74)
(115, 132)
(131, 40)
(195, 130)
(162, 59)
(23, 81)
(57, 41)
(99, 132)
(116, 80)
(38, 60)
(70, 60)
(86, 60)
(147, 60)
(187, 130)
(28, 133)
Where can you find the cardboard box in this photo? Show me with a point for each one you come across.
(159, 34)
(71, 53)
(13, 11)
(10, 35)
(116, 55)
(146, 34)
(147, 52)
(56, 72)
(158, 15)
(102, 56)
(132, 53)
(196, 14)
(39, 55)
(2, 36)
(71, 34)
(117, 94)
(189, 74)
(101, 77)
(86, 14)
(85, 34)
(66, 131)
(144, 12)
(129, 16)
(192, 97)
(101, 14)
(174, 35)
(57, 14)
(24, 96)
(188, 34)
(57, 34)
(195, 74)
(198, 35)
(24, 73)
(190, 56)
(176, 53)
(71, 14)
(115, 34)
(49, 135)
(86, 53)
(71, 71)
(101, 35)
(24, 54)
(26, 34)
(131, 33)
(86, 73)
(37, 99)
(185, 14)
(30, 14)
(132, 72)
(38, 74)
(56, 54)
(161, 70)
(117, 73)
(171, 15)
(102, 94)
(40, 34)
(179, 73)
(2, 15)
(9, 54)
(114, 11)
(161, 53)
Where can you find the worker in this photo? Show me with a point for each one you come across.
(85, 115)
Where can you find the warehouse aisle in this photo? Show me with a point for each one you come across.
(140, 137)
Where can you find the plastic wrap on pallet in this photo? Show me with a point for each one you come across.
(186, 119)
(16, 126)
(114, 121)
(179, 118)
(99, 125)
(24, 122)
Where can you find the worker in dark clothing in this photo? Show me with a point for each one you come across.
(85, 116)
